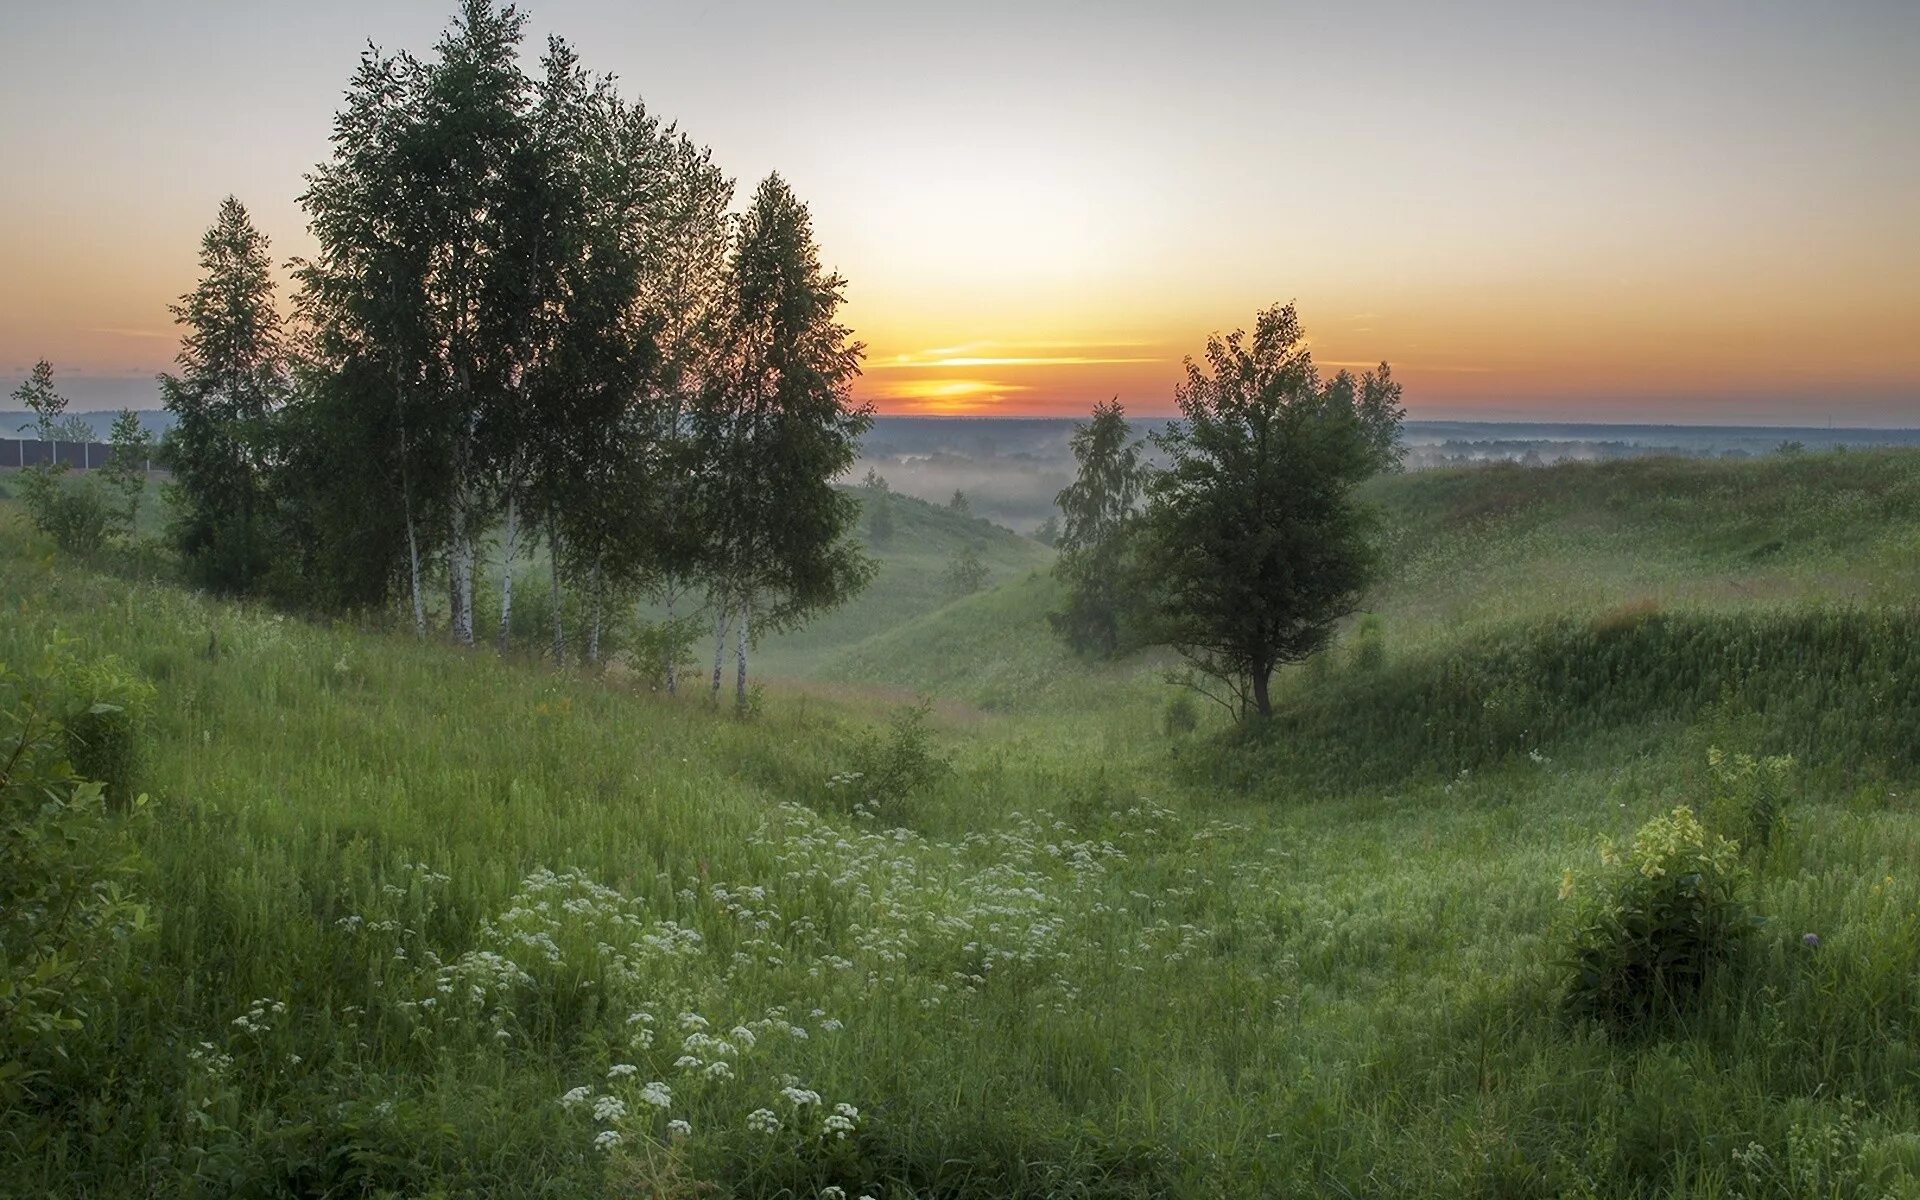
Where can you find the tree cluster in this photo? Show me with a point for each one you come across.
(1246, 544)
(532, 316)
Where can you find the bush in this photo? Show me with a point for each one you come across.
(70, 511)
(1749, 796)
(1369, 644)
(1182, 716)
(65, 921)
(888, 772)
(652, 644)
(1662, 919)
(105, 726)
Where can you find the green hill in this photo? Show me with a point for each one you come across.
(420, 921)
(911, 581)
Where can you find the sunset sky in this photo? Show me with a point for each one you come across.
(1612, 211)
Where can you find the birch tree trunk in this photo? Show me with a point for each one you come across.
(559, 628)
(508, 548)
(668, 668)
(413, 564)
(460, 581)
(740, 659)
(719, 645)
(593, 616)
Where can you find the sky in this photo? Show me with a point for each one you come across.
(1706, 211)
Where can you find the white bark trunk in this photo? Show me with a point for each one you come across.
(719, 645)
(667, 667)
(593, 616)
(559, 628)
(740, 659)
(460, 583)
(507, 548)
(413, 564)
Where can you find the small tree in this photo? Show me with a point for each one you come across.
(1101, 506)
(70, 512)
(959, 504)
(1048, 534)
(878, 502)
(126, 469)
(1255, 542)
(967, 573)
(40, 482)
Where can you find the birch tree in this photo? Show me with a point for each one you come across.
(777, 427)
(1100, 507)
(362, 298)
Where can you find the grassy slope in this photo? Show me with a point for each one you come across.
(910, 583)
(1315, 970)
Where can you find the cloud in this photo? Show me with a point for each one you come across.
(146, 334)
(909, 363)
(1430, 368)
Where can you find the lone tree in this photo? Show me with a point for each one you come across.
(1256, 544)
(126, 468)
(233, 376)
(1101, 506)
(878, 504)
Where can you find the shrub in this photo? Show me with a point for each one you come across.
(967, 573)
(105, 726)
(1182, 716)
(71, 512)
(889, 771)
(1749, 795)
(65, 919)
(1661, 920)
(1370, 644)
(653, 644)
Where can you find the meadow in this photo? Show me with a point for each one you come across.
(420, 921)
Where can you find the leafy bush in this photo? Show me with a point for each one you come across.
(1661, 920)
(967, 573)
(1749, 795)
(653, 644)
(889, 771)
(65, 919)
(1182, 716)
(1369, 644)
(71, 512)
(105, 726)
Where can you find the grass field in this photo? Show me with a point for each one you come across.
(426, 923)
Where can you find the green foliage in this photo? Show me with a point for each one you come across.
(652, 645)
(891, 771)
(959, 504)
(67, 916)
(69, 510)
(1663, 920)
(1182, 716)
(1750, 796)
(877, 501)
(233, 376)
(125, 472)
(1369, 649)
(105, 726)
(1255, 545)
(1101, 507)
(967, 573)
